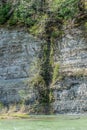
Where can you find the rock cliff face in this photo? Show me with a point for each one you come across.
(70, 93)
(18, 57)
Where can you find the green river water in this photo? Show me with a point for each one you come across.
(45, 123)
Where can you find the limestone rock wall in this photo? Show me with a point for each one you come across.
(18, 56)
(70, 94)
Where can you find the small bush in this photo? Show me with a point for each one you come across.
(37, 80)
(1, 105)
(56, 72)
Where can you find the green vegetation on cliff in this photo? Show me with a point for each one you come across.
(45, 19)
(31, 12)
(4, 12)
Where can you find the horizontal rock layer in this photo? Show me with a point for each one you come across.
(70, 94)
(18, 56)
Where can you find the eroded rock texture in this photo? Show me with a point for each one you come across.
(70, 93)
(18, 57)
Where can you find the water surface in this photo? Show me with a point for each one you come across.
(45, 123)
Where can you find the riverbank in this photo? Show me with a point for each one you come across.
(19, 115)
